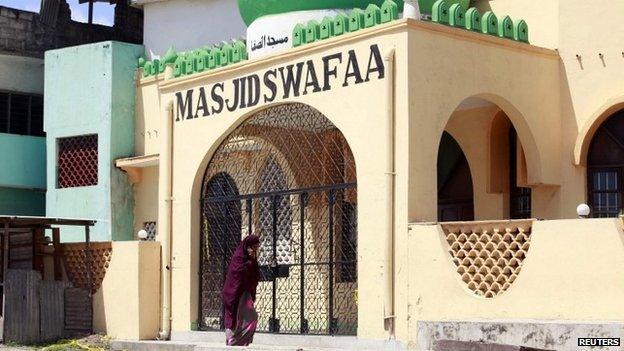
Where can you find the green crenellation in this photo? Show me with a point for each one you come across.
(198, 60)
(451, 13)
(227, 53)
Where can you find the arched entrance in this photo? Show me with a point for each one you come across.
(605, 168)
(293, 183)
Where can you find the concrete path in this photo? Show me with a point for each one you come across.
(184, 346)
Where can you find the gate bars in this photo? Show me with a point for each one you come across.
(288, 176)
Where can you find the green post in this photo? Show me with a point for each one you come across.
(341, 24)
(457, 16)
(506, 28)
(389, 11)
(440, 12)
(179, 67)
(147, 68)
(473, 19)
(298, 35)
(521, 31)
(489, 23)
(225, 55)
(356, 20)
(372, 16)
(312, 32)
(327, 28)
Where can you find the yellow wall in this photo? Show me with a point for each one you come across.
(126, 305)
(590, 86)
(562, 278)
(547, 96)
(424, 102)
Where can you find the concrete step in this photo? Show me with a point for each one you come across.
(185, 346)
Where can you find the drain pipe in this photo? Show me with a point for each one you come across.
(166, 174)
(389, 316)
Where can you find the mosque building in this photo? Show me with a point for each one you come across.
(414, 169)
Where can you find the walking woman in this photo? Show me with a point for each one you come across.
(239, 293)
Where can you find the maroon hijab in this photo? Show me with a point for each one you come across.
(243, 275)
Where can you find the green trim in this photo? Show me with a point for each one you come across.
(198, 60)
(251, 10)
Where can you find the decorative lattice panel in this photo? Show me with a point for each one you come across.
(150, 228)
(77, 161)
(488, 255)
(75, 264)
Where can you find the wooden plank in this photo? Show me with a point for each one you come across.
(78, 310)
(22, 294)
(88, 259)
(52, 305)
(37, 259)
(56, 242)
(6, 237)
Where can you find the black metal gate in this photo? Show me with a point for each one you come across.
(287, 175)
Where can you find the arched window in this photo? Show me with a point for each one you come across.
(605, 168)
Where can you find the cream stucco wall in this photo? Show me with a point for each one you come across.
(562, 278)
(549, 97)
(427, 90)
(468, 65)
(126, 305)
(590, 84)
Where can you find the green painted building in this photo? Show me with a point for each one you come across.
(89, 94)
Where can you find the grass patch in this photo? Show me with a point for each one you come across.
(90, 343)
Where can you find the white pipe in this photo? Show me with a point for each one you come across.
(411, 9)
(164, 216)
(389, 317)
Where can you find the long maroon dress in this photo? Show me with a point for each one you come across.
(239, 295)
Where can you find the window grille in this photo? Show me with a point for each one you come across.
(21, 114)
(77, 161)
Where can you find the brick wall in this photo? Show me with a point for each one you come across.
(22, 32)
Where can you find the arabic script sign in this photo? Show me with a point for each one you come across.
(268, 42)
(272, 34)
(341, 69)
